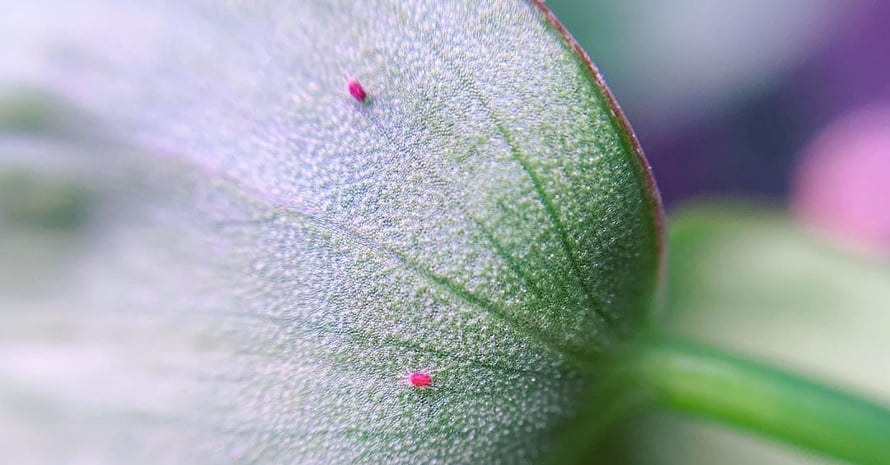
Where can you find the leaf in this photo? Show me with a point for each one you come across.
(264, 256)
(753, 281)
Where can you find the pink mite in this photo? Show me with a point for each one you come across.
(420, 379)
(356, 90)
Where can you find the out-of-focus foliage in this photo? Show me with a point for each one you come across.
(755, 282)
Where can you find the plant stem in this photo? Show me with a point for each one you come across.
(701, 381)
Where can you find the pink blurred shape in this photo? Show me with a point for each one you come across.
(842, 185)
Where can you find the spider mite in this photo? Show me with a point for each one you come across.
(357, 90)
(421, 379)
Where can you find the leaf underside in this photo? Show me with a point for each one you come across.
(255, 257)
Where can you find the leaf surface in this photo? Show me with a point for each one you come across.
(262, 256)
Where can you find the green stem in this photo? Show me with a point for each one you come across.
(702, 381)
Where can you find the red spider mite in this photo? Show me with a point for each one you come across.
(418, 379)
(356, 90)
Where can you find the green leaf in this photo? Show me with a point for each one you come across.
(753, 281)
(263, 256)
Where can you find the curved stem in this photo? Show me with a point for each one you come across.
(705, 382)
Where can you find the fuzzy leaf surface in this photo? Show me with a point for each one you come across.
(224, 257)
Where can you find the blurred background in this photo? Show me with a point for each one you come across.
(767, 124)
(754, 98)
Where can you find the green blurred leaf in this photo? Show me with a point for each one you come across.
(265, 256)
(751, 280)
